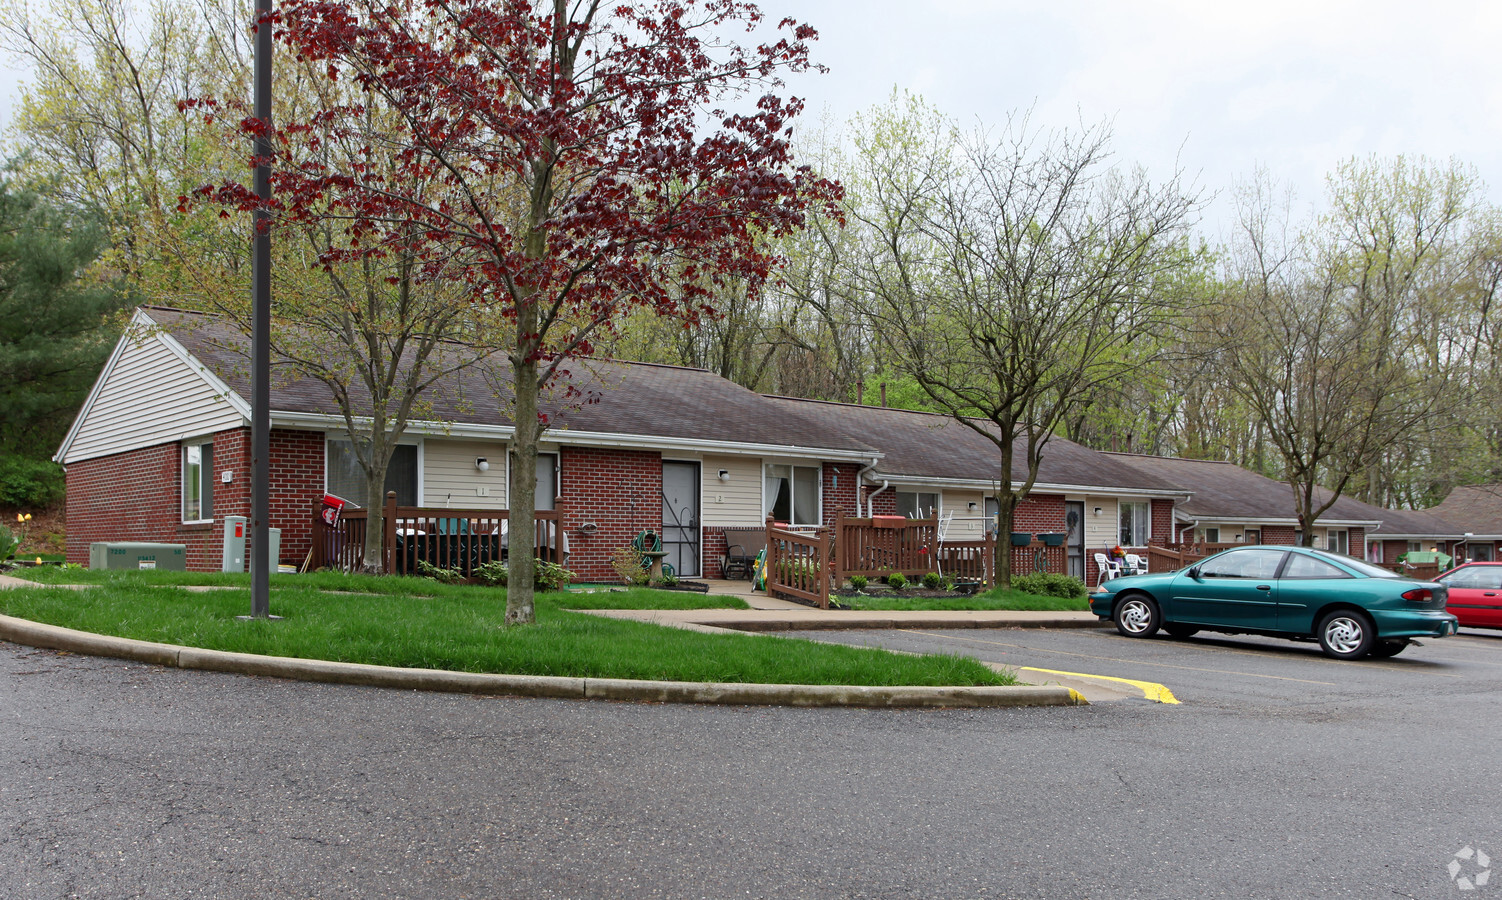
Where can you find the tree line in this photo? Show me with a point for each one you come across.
(1020, 277)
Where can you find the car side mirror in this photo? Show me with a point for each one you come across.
(1194, 572)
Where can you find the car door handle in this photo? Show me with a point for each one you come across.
(1490, 594)
(1264, 587)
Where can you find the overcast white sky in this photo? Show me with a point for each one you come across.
(1221, 86)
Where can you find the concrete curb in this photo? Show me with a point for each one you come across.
(36, 634)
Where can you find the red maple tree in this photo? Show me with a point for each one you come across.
(566, 161)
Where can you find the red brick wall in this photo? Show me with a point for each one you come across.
(137, 496)
(839, 489)
(1278, 534)
(1162, 522)
(883, 504)
(1040, 513)
(296, 488)
(618, 490)
(1357, 542)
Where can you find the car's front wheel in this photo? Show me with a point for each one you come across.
(1137, 616)
(1345, 634)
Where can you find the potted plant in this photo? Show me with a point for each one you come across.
(1053, 538)
(1021, 538)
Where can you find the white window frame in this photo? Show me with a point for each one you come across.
(1335, 538)
(767, 499)
(1145, 522)
(920, 493)
(205, 479)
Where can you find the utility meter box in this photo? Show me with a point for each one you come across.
(128, 555)
(237, 539)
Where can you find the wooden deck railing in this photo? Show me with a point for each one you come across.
(876, 548)
(798, 564)
(462, 539)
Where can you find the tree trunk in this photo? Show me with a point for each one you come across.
(373, 562)
(1006, 515)
(521, 568)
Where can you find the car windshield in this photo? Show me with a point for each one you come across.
(1360, 566)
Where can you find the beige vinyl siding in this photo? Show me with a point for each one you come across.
(1102, 530)
(150, 397)
(737, 501)
(968, 525)
(450, 479)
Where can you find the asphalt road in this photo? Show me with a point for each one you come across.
(1281, 775)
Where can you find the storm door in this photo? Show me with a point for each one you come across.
(680, 517)
(1074, 544)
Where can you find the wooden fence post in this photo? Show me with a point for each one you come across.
(388, 538)
(837, 564)
(824, 570)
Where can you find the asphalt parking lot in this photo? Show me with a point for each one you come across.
(1211, 668)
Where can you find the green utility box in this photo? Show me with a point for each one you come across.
(130, 555)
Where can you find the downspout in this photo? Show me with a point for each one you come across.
(871, 498)
(860, 482)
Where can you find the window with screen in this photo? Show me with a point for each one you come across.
(346, 478)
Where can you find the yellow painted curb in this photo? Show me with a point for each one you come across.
(1150, 689)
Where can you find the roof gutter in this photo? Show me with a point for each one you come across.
(985, 484)
(567, 436)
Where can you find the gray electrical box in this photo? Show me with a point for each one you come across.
(237, 538)
(129, 555)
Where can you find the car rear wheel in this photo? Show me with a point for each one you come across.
(1137, 616)
(1345, 634)
(1385, 649)
(1181, 631)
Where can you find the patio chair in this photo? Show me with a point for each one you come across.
(1137, 564)
(1106, 569)
(741, 547)
(939, 536)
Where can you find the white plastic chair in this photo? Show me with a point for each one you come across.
(1138, 564)
(1106, 569)
(943, 532)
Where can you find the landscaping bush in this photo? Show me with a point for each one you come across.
(493, 573)
(442, 576)
(897, 580)
(551, 576)
(626, 561)
(8, 544)
(858, 583)
(1051, 584)
(932, 580)
(29, 483)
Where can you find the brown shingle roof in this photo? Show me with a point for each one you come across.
(630, 398)
(1476, 507)
(929, 445)
(1222, 490)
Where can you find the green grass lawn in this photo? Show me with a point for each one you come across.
(422, 624)
(993, 599)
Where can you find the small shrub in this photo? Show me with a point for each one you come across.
(932, 580)
(858, 582)
(494, 573)
(29, 483)
(626, 561)
(897, 580)
(550, 576)
(1051, 584)
(669, 580)
(9, 543)
(442, 576)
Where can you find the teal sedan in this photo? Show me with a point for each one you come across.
(1351, 607)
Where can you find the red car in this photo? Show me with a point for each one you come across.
(1475, 594)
